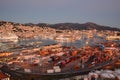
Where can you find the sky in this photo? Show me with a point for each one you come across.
(103, 12)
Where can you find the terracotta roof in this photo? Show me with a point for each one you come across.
(2, 76)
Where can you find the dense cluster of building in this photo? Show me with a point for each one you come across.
(10, 31)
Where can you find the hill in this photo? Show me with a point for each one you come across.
(85, 26)
(64, 26)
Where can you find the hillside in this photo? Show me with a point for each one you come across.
(63, 26)
(21, 30)
(85, 26)
(30, 30)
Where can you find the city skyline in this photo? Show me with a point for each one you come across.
(103, 12)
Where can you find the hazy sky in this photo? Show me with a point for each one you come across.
(104, 12)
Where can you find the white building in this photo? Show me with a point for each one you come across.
(8, 37)
(113, 37)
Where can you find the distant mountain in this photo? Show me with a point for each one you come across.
(85, 26)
